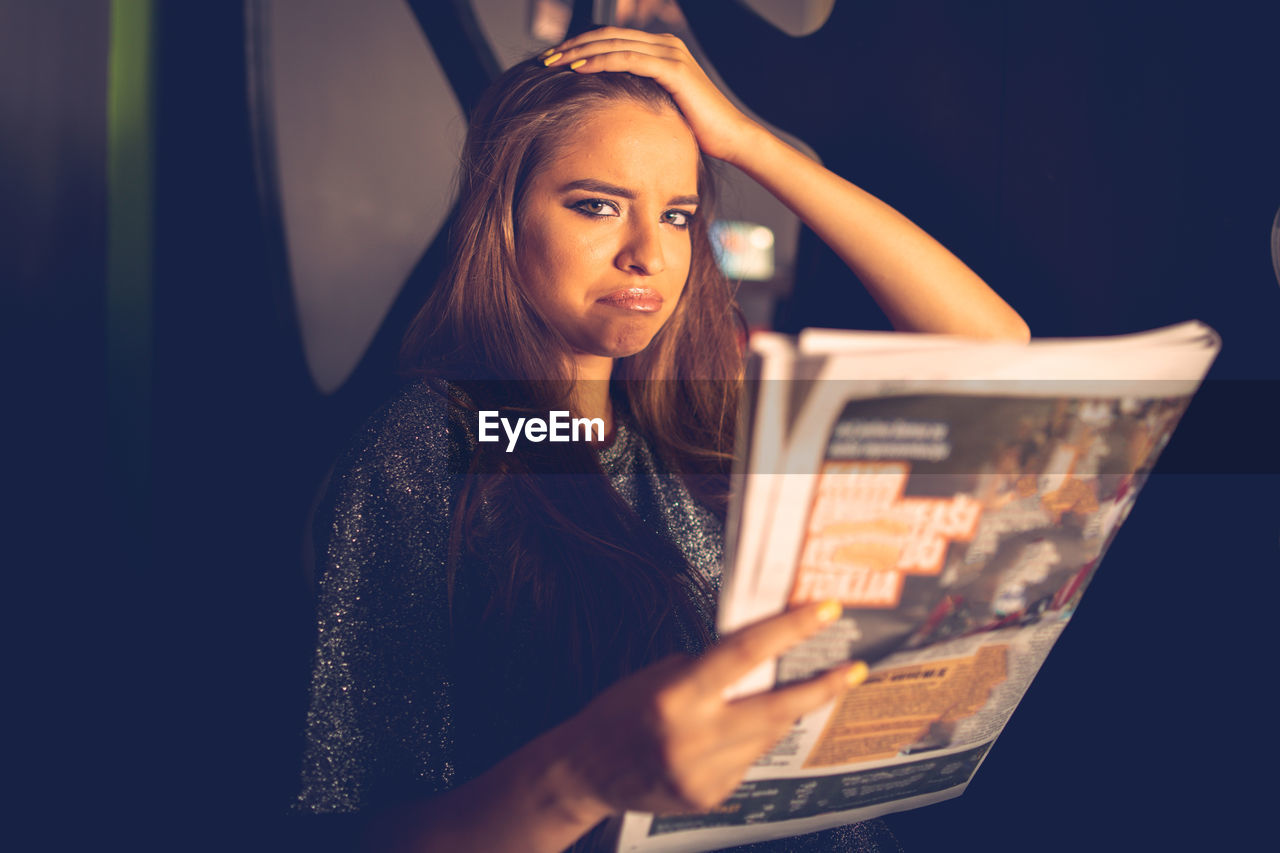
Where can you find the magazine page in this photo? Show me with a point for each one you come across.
(763, 423)
(959, 520)
(963, 419)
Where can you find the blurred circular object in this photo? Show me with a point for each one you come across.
(1275, 245)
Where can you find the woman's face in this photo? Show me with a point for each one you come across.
(602, 238)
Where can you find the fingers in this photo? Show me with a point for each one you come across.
(662, 70)
(753, 726)
(619, 34)
(626, 50)
(794, 700)
(742, 651)
(637, 58)
(718, 126)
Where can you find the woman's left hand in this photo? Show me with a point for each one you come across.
(719, 127)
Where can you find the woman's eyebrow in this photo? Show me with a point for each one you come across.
(595, 186)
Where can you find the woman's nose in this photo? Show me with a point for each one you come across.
(642, 252)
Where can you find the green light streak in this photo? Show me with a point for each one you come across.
(130, 143)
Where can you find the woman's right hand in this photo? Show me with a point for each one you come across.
(719, 127)
(666, 740)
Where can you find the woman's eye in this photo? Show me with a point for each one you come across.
(596, 207)
(678, 218)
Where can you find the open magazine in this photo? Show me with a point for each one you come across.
(957, 497)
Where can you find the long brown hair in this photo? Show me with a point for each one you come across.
(544, 527)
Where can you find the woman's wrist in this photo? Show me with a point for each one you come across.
(563, 789)
(532, 802)
(750, 141)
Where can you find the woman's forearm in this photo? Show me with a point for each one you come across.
(919, 285)
(530, 801)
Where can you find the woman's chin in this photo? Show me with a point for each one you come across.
(622, 340)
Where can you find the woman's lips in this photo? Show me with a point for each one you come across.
(634, 299)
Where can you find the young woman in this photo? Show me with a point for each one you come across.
(515, 640)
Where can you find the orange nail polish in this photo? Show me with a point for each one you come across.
(830, 610)
(856, 675)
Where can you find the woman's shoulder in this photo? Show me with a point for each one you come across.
(422, 420)
(410, 447)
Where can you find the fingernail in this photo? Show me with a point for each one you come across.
(578, 64)
(830, 610)
(856, 675)
(552, 58)
(546, 53)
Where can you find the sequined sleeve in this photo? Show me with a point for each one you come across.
(379, 723)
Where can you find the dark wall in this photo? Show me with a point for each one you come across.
(236, 429)
(57, 522)
(1107, 166)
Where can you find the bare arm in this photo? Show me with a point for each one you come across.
(919, 285)
(529, 801)
(662, 740)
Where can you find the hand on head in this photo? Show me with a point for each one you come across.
(717, 124)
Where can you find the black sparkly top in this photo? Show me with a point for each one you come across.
(387, 719)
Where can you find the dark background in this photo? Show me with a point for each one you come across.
(1107, 167)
